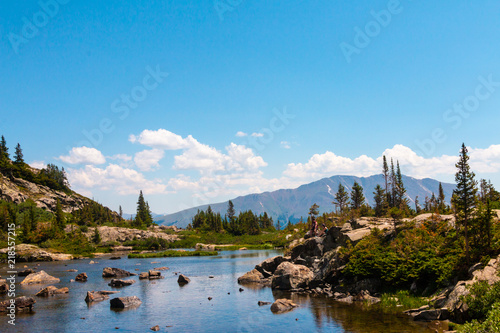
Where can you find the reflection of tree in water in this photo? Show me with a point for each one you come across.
(357, 317)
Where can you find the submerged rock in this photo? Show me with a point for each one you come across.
(51, 291)
(283, 305)
(22, 304)
(109, 272)
(118, 283)
(98, 296)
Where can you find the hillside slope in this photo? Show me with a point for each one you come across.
(291, 204)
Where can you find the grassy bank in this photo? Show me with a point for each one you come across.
(173, 253)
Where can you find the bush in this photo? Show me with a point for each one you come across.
(481, 298)
(490, 325)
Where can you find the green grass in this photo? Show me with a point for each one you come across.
(265, 246)
(173, 253)
(400, 301)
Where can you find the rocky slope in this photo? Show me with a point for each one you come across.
(315, 266)
(19, 190)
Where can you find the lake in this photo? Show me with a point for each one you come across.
(187, 308)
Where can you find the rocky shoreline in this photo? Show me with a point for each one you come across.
(314, 266)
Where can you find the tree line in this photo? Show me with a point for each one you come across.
(245, 223)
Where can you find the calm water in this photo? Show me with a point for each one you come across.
(187, 308)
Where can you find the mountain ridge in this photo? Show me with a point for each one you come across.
(291, 204)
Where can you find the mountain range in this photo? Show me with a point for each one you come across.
(292, 204)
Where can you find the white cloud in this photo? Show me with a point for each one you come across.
(485, 160)
(38, 164)
(285, 144)
(161, 139)
(257, 135)
(241, 134)
(147, 160)
(114, 177)
(122, 157)
(83, 155)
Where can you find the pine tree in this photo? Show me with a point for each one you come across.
(120, 211)
(60, 221)
(392, 183)
(341, 199)
(144, 215)
(379, 197)
(464, 195)
(313, 211)
(417, 205)
(357, 197)
(4, 150)
(96, 238)
(18, 155)
(230, 211)
(441, 198)
(385, 172)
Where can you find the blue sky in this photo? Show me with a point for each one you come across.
(201, 101)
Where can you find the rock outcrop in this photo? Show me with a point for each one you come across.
(18, 190)
(117, 234)
(39, 278)
(28, 252)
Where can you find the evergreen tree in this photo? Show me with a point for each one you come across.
(18, 155)
(144, 215)
(464, 195)
(392, 184)
(59, 216)
(313, 211)
(385, 172)
(96, 238)
(230, 211)
(4, 150)
(379, 197)
(357, 197)
(120, 211)
(341, 199)
(417, 205)
(441, 200)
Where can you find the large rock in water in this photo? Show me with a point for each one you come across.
(22, 304)
(254, 276)
(183, 279)
(98, 296)
(290, 276)
(117, 283)
(29, 252)
(268, 266)
(109, 272)
(82, 277)
(40, 277)
(51, 291)
(283, 305)
(125, 302)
